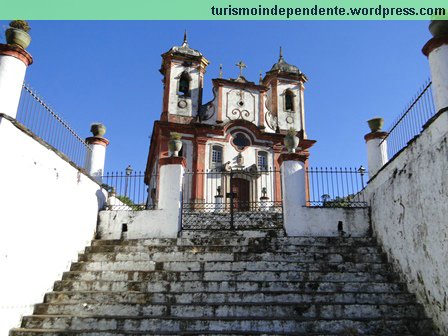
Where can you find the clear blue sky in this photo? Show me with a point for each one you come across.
(107, 71)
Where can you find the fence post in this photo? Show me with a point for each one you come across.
(436, 49)
(14, 61)
(171, 174)
(376, 149)
(294, 188)
(96, 154)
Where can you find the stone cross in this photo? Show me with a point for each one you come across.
(241, 65)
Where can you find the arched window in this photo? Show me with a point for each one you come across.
(184, 84)
(262, 160)
(216, 157)
(289, 100)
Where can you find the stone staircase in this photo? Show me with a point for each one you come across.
(245, 282)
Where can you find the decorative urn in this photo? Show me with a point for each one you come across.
(375, 124)
(291, 140)
(98, 129)
(17, 33)
(174, 144)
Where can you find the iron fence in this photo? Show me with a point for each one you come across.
(40, 119)
(410, 122)
(218, 199)
(128, 190)
(336, 187)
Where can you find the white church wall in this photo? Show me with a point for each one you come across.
(43, 227)
(409, 202)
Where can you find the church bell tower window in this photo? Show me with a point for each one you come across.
(184, 84)
(289, 101)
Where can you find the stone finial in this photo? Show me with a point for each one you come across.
(439, 28)
(17, 34)
(98, 129)
(375, 124)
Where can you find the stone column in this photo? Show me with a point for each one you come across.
(376, 153)
(96, 155)
(171, 173)
(14, 61)
(294, 188)
(436, 49)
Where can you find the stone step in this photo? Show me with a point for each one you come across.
(47, 332)
(229, 276)
(226, 286)
(230, 256)
(305, 296)
(253, 248)
(278, 266)
(214, 238)
(363, 326)
(246, 310)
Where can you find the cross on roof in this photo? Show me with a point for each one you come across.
(241, 65)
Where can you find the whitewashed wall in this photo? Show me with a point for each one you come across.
(48, 213)
(409, 201)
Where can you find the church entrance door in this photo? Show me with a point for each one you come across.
(241, 190)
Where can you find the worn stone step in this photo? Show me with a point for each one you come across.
(272, 266)
(47, 332)
(383, 325)
(252, 248)
(225, 286)
(214, 238)
(229, 276)
(246, 310)
(395, 296)
(230, 256)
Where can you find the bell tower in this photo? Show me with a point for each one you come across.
(183, 70)
(285, 100)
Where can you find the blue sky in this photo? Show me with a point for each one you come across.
(107, 71)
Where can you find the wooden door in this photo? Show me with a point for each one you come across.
(241, 190)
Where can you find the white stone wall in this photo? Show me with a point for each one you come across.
(48, 213)
(300, 220)
(409, 202)
(193, 100)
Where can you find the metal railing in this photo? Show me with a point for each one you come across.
(219, 199)
(40, 119)
(336, 187)
(410, 122)
(128, 190)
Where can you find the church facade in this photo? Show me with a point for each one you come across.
(241, 130)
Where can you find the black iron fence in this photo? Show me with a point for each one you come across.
(218, 199)
(41, 120)
(127, 190)
(336, 187)
(410, 122)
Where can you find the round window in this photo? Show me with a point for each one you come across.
(240, 141)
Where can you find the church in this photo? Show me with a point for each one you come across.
(242, 129)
